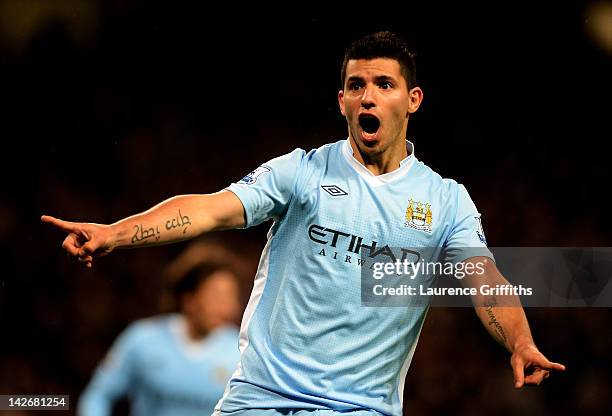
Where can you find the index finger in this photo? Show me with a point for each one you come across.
(548, 365)
(67, 226)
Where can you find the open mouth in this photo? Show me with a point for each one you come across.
(369, 123)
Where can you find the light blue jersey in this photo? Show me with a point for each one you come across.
(306, 340)
(163, 372)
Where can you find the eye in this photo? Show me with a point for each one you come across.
(354, 85)
(385, 85)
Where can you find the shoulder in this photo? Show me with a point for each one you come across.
(300, 164)
(320, 157)
(147, 329)
(316, 155)
(447, 187)
(327, 149)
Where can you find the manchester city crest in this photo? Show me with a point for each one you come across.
(419, 216)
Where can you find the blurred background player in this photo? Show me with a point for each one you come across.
(176, 363)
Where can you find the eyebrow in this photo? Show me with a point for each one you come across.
(379, 78)
(384, 78)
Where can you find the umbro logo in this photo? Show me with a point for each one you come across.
(334, 190)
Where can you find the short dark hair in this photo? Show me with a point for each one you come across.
(382, 45)
(194, 277)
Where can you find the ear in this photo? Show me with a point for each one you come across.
(416, 97)
(341, 102)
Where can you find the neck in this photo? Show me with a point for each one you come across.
(383, 162)
(194, 332)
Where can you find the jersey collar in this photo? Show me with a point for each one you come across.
(377, 180)
(191, 348)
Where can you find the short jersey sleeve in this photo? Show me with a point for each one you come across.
(266, 192)
(466, 237)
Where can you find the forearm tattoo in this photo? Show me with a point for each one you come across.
(145, 235)
(493, 321)
(180, 221)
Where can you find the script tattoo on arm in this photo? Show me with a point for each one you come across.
(493, 320)
(145, 234)
(180, 221)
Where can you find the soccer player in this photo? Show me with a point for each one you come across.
(306, 342)
(174, 364)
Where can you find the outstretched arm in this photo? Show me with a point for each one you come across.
(176, 219)
(505, 320)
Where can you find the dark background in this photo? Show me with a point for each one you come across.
(110, 107)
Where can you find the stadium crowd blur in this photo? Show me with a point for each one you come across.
(110, 107)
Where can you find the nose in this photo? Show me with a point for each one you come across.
(367, 100)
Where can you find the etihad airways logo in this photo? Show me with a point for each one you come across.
(353, 248)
